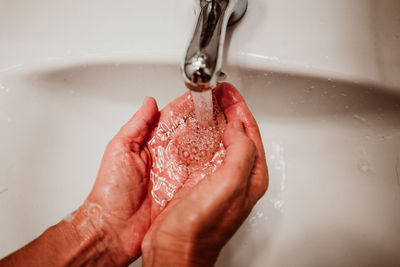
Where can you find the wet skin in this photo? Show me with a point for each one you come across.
(116, 224)
(204, 216)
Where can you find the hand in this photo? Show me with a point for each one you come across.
(107, 230)
(196, 224)
(117, 207)
(120, 208)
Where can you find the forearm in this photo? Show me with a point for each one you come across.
(77, 241)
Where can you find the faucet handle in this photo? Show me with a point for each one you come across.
(202, 65)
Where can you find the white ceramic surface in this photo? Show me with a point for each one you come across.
(320, 76)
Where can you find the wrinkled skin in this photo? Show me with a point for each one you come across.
(199, 220)
(122, 184)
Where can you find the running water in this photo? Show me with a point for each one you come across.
(185, 146)
(203, 107)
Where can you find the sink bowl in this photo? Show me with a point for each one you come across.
(332, 149)
(332, 137)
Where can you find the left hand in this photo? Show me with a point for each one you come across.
(117, 207)
(120, 208)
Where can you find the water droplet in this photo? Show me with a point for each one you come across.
(195, 150)
(364, 166)
(359, 118)
(3, 89)
(385, 137)
(278, 204)
(259, 214)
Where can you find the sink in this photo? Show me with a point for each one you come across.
(331, 133)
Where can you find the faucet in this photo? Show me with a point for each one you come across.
(202, 64)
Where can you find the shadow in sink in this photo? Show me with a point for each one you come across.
(284, 95)
(269, 94)
(122, 82)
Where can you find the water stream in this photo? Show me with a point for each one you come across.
(203, 107)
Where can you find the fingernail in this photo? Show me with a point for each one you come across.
(238, 125)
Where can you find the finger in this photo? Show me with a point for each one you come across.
(235, 171)
(141, 124)
(230, 181)
(240, 149)
(235, 108)
(179, 107)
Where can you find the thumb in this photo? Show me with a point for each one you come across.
(240, 149)
(141, 124)
(235, 171)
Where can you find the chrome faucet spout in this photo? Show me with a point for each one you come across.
(202, 65)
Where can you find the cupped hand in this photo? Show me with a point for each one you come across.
(118, 206)
(121, 206)
(197, 223)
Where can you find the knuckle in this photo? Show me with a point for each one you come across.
(266, 180)
(250, 146)
(259, 183)
(264, 183)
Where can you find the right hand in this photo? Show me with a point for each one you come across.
(195, 226)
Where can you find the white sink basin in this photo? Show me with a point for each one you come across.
(332, 138)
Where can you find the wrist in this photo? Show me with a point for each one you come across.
(177, 253)
(75, 241)
(95, 240)
(90, 236)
